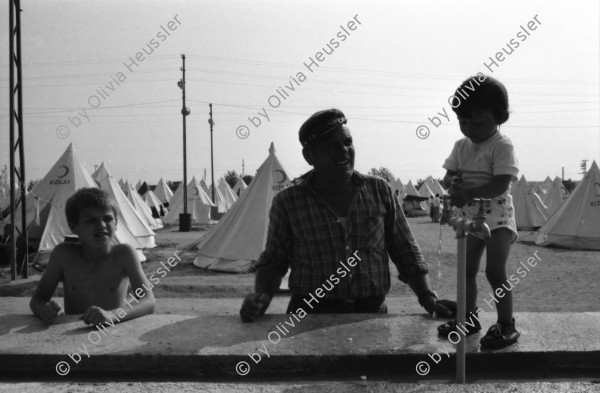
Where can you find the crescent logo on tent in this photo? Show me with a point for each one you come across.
(66, 171)
(283, 175)
(196, 189)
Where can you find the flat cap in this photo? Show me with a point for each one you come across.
(320, 124)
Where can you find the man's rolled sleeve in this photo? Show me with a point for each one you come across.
(279, 238)
(402, 245)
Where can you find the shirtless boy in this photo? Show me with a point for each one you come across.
(96, 273)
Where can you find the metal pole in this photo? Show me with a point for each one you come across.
(212, 167)
(183, 112)
(11, 54)
(462, 226)
(21, 142)
(461, 306)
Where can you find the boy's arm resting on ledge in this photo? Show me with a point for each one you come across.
(139, 303)
(141, 288)
(41, 304)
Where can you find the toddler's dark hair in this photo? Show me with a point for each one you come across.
(479, 93)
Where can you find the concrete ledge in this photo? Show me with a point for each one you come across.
(186, 345)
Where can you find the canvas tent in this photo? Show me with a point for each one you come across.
(434, 186)
(240, 236)
(163, 192)
(555, 196)
(127, 213)
(411, 190)
(205, 188)
(46, 220)
(101, 172)
(144, 212)
(140, 209)
(576, 224)
(227, 193)
(219, 199)
(156, 207)
(530, 211)
(547, 184)
(239, 186)
(198, 204)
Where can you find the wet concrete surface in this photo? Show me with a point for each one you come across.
(278, 345)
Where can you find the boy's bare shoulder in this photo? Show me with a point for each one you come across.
(124, 253)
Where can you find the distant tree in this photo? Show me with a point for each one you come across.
(569, 185)
(419, 183)
(383, 173)
(173, 185)
(231, 178)
(247, 179)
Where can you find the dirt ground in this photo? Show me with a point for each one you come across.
(563, 281)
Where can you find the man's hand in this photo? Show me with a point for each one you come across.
(254, 306)
(444, 308)
(49, 311)
(95, 316)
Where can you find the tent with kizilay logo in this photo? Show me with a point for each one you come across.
(240, 236)
(46, 219)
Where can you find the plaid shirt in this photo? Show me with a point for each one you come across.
(305, 233)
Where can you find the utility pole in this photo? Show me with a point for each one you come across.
(212, 168)
(17, 175)
(563, 174)
(185, 222)
(243, 167)
(583, 167)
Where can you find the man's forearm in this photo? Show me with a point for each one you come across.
(419, 283)
(268, 280)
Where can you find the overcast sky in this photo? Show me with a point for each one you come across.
(395, 70)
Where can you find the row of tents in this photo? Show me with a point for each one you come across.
(545, 212)
(139, 215)
(240, 235)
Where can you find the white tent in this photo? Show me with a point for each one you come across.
(576, 224)
(101, 173)
(46, 219)
(227, 193)
(555, 196)
(157, 209)
(530, 211)
(163, 192)
(240, 236)
(144, 212)
(547, 184)
(205, 188)
(435, 186)
(240, 186)
(123, 185)
(219, 199)
(398, 186)
(127, 213)
(198, 204)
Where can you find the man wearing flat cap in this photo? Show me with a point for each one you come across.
(335, 228)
